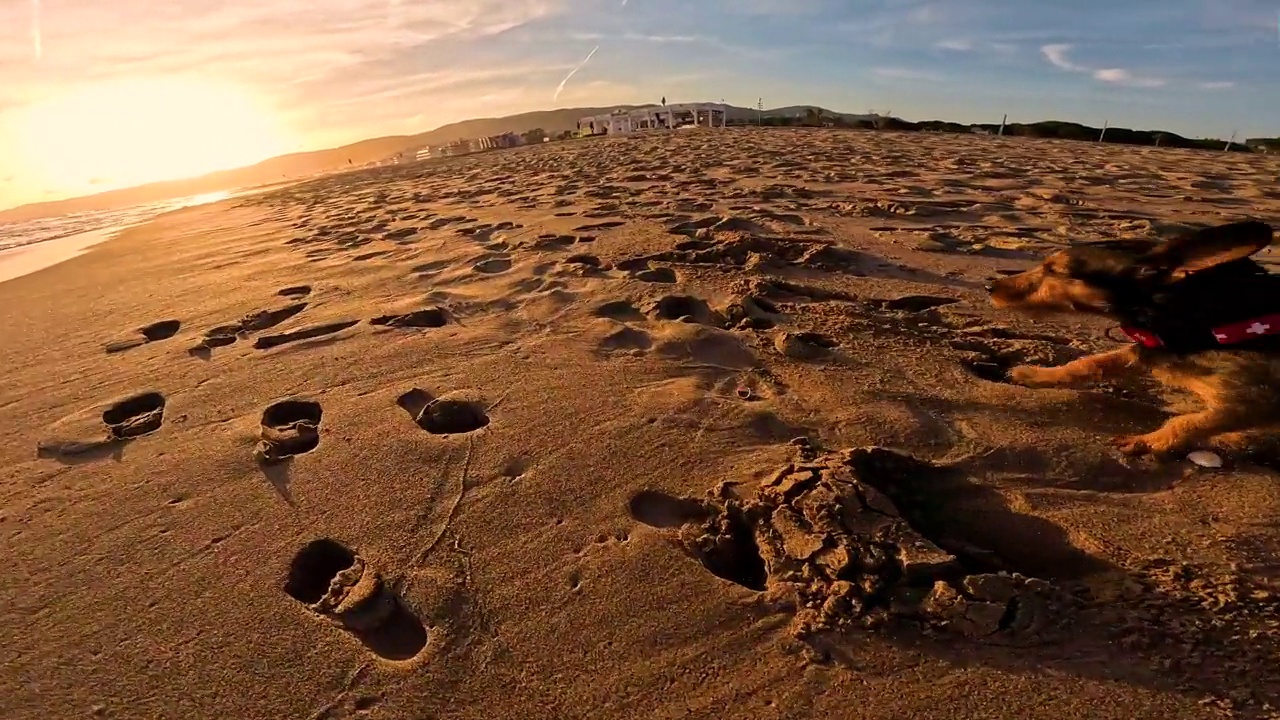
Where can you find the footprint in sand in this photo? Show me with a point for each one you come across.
(684, 308)
(154, 332)
(493, 265)
(661, 275)
(727, 547)
(989, 353)
(289, 428)
(752, 313)
(294, 291)
(266, 342)
(585, 265)
(264, 319)
(428, 318)
(443, 415)
(220, 336)
(431, 268)
(135, 416)
(804, 345)
(620, 310)
(584, 259)
(550, 241)
(97, 432)
(608, 225)
(336, 583)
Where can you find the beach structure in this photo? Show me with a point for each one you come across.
(654, 117)
(466, 146)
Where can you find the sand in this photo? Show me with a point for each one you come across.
(699, 425)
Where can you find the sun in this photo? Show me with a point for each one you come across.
(129, 132)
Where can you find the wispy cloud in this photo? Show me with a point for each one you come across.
(574, 71)
(1057, 55)
(1121, 76)
(1217, 85)
(965, 45)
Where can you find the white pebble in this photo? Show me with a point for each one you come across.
(1205, 459)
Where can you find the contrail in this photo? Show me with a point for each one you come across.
(37, 44)
(574, 71)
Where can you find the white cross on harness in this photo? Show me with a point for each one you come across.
(1258, 328)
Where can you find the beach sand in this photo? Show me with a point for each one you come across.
(698, 425)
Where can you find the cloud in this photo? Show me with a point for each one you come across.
(1057, 54)
(1121, 76)
(1217, 85)
(970, 45)
(926, 14)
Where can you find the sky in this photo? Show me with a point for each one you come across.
(99, 95)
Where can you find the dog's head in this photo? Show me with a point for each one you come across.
(1098, 277)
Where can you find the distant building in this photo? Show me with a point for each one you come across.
(657, 117)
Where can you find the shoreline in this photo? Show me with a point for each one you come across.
(27, 259)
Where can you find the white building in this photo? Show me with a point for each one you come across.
(656, 117)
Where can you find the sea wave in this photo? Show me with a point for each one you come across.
(29, 232)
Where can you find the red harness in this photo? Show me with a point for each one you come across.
(1231, 334)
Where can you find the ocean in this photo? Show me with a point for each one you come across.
(32, 245)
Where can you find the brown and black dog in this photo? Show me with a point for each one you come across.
(1202, 315)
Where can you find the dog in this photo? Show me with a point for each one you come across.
(1202, 316)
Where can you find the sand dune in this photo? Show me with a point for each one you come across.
(703, 424)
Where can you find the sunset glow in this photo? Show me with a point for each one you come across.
(128, 132)
(96, 96)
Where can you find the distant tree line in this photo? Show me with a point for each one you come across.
(1047, 129)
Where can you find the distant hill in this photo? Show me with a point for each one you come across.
(306, 164)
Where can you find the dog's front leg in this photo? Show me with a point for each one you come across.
(1181, 431)
(1091, 368)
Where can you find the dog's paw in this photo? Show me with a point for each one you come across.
(1158, 444)
(1132, 444)
(1033, 376)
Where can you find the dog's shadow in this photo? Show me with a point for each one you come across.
(1100, 468)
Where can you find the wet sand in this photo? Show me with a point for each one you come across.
(19, 261)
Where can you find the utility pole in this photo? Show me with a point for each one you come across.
(760, 112)
(1104, 130)
(1003, 120)
(1231, 142)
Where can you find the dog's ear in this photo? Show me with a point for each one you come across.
(1203, 249)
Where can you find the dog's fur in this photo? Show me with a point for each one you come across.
(1179, 290)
